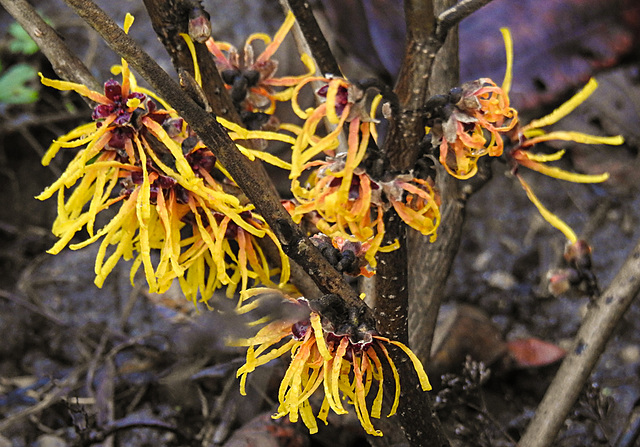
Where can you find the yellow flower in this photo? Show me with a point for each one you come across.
(346, 371)
(220, 252)
(165, 176)
(416, 202)
(532, 133)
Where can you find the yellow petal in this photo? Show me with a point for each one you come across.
(361, 403)
(565, 108)
(128, 21)
(508, 47)
(543, 158)
(417, 365)
(561, 174)
(277, 38)
(78, 88)
(192, 50)
(548, 215)
(578, 137)
(396, 378)
(319, 334)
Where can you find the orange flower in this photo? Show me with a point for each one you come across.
(250, 79)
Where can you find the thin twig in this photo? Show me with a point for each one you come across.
(30, 307)
(66, 64)
(455, 14)
(293, 240)
(315, 40)
(60, 392)
(588, 345)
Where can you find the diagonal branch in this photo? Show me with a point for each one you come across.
(589, 343)
(169, 19)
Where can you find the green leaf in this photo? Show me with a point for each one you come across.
(13, 88)
(22, 42)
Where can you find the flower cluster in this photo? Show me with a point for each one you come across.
(477, 120)
(468, 123)
(338, 195)
(172, 195)
(344, 368)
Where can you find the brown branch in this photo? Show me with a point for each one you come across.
(455, 14)
(390, 282)
(401, 147)
(407, 129)
(427, 278)
(316, 41)
(66, 64)
(588, 345)
(294, 242)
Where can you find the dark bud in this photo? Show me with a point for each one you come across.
(331, 254)
(252, 76)
(253, 120)
(189, 143)
(578, 254)
(349, 263)
(331, 307)
(229, 76)
(239, 89)
(455, 95)
(173, 126)
(424, 168)
(433, 106)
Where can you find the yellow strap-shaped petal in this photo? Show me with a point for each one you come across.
(128, 21)
(543, 158)
(192, 50)
(578, 137)
(565, 108)
(316, 324)
(561, 174)
(554, 220)
(78, 88)
(417, 365)
(508, 47)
